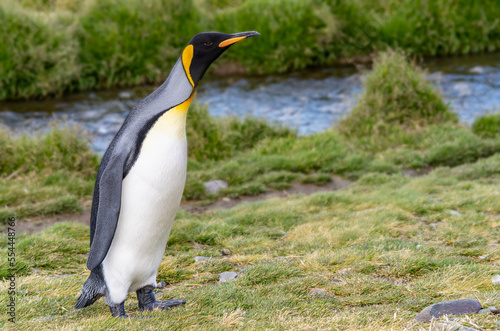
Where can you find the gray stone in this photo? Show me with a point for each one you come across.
(451, 326)
(201, 258)
(214, 186)
(225, 251)
(318, 291)
(454, 307)
(125, 95)
(494, 310)
(160, 284)
(495, 280)
(227, 275)
(455, 213)
(484, 312)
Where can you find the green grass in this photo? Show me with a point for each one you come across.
(397, 98)
(45, 173)
(52, 47)
(487, 126)
(370, 246)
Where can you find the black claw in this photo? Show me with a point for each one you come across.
(147, 300)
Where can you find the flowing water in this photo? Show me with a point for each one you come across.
(311, 100)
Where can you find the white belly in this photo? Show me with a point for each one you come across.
(151, 194)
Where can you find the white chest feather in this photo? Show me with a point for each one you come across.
(151, 194)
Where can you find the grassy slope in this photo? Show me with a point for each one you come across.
(52, 47)
(383, 249)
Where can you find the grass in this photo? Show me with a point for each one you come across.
(382, 249)
(52, 47)
(55, 173)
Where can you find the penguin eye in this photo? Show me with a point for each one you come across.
(208, 43)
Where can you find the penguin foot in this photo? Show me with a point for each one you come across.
(147, 300)
(118, 310)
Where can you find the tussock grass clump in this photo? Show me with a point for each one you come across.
(45, 173)
(396, 96)
(60, 148)
(487, 126)
(132, 42)
(214, 139)
(38, 53)
(294, 33)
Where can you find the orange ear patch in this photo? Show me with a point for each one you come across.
(231, 41)
(187, 57)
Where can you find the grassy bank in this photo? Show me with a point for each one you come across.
(51, 47)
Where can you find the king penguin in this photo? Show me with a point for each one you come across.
(140, 182)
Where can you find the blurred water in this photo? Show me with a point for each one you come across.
(311, 100)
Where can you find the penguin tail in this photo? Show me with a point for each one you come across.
(93, 288)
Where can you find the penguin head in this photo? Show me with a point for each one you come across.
(205, 48)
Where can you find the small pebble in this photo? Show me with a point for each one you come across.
(227, 275)
(337, 280)
(225, 251)
(201, 258)
(125, 95)
(214, 186)
(448, 326)
(484, 312)
(318, 291)
(495, 280)
(455, 213)
(494, 310)
(226, 199)
(160, 284)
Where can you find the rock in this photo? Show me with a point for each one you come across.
(455, 213)
(226, 199)
(451, 326)
(484, 312)
(318, 291)
(227, 275)
(495, 280)
(225, 251)
(494, 310)
(337, 280)
(476, 70)
(201, 258)
(125, 95)
(433, 225)
(160, 284)
(453, 307)
(214, 186)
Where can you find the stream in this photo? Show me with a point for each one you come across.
(310, 101)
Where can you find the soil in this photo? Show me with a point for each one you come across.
(38, 223)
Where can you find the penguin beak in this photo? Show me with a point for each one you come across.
(235, 37)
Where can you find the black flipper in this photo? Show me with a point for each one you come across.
(105, 206)
(93, 288)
